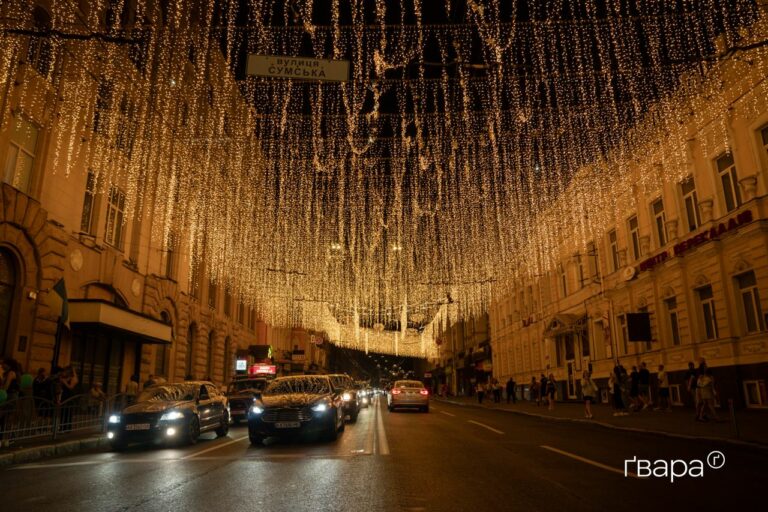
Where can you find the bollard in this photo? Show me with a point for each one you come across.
(734, 424)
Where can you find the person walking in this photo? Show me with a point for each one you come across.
(691, 381)
(663, 389)
(644, 386)
(496, 391)
(551, 385)
(634, 389)
(42, 390)
(533, 392)
(69, 384)
(511, 390)
(706, 389)
(132, 389)
(589, 391)
(614, 387)
(542, 395)
(480, 389)
(10, 381)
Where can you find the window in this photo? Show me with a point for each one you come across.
(89, 204)
(623, 334)
(709, 320)
(755, 393)
(750, 302)
(691, 202)
(563, 281)
(115, 218)
(194, 280)
(212, 291)
(8, 281)
(227, 302)
(592, 262)
(648, 343)
(729, 180)
(252, 319)
(674, 326)
(614, 244)
(40, 49)
(241, 313)
(660, 221)
(634, 236)
(103, 106)
(126, 128)
(170, 259)
(21, 154)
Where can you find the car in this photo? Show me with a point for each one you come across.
(346, 386)
(408, 394)
(241, 393)
(297, 406)
(170, 413)
(364, 394)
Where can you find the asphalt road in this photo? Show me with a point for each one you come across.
(453, 459)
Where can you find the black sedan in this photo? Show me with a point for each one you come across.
(344, 384)
(241, 393)
(296, 406)
(170, 413)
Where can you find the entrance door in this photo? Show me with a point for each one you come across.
(7, 294)
(571, 384)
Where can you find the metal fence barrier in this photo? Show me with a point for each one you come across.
(30, 417)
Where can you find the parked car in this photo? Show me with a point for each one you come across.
(296, 406)
(344, 384)
(170, 413)
(241, 394)
(408, 394)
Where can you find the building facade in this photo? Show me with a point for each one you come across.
(687, 256)
(134, 307)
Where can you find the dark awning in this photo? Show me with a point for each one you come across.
(563, 323)
(102, 313)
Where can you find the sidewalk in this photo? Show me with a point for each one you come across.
(752, 425)
(32, 450)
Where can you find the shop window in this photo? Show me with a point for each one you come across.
(634, 236)
(674, 325)
(729, 181)
(21, 154)
(691, 203)
(89, 204)
(115, 231)
(750, 302)
(7, 297)
(708, 312)
(614, 245)
(755, 393)
(660, 222)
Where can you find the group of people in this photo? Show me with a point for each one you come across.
(700, 383)
(492, 388)
(544, 390)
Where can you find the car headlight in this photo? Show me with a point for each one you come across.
(256, 409)
(172, 415)
(320, 407)
(346, 397)
(115, 418)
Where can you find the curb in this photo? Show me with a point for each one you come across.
(750, 444)
(34, 453)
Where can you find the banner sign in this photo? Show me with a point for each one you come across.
(298, 68)
(262, 369)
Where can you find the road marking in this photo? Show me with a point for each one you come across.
(59, 465)
(486, 426)
(222, 445)
(382, 436)
(447, 414)
(589, 461)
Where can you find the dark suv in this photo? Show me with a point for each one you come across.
(344, 384)
(241, 394)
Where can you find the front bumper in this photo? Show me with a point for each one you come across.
(409, 401)
(158, 432)
(320, 423)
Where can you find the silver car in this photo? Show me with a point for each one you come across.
(408, 394)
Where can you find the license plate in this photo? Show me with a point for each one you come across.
(237, 411)
(137, 426)
(287, 424)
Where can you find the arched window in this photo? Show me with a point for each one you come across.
(191, 335)
(161, 353)
(7, 295)
(227, 359)
(211, 349)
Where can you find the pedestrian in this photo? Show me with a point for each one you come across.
(663, 389)
(150, 381)
(480, 389)
(69, 384)
(42, 390)
(644, 377)
(589, 391)
(511, 390)
(496, 391)
(691, 378)
(706, 389)
(97, 398)
(533, 392)
(189, 376)
(614, 388)
(131, 389)
(10, 381)
(551, 385)
(634, 389)
(542, 395)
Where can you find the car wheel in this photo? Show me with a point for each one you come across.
(342, 426)
(333, 433)
(224, 427)
(256, 440)
(193, 430)
(353, 416)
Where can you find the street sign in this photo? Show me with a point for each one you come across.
(241, 365)
(262, 369)
(299, 68)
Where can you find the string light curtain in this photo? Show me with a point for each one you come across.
(427, 182)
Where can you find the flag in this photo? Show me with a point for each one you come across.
(57, 301)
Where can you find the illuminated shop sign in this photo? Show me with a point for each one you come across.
(707, 235)
(262, 369)
(241, 365)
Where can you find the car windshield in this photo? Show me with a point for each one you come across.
(299, 385)
(246, 385)
(173, 393)
(408, 384)
(340, 381)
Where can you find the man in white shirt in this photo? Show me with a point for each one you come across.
(663, 389)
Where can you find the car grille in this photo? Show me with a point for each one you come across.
(142, 417)
(273, 415)
(238, 404)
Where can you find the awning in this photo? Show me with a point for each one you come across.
(563, 323)
(97, 312)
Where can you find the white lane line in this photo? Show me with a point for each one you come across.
(589, 461)
(60, 464)
(222, 445)
(448, 414)
(382, 436)
(485, 426)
